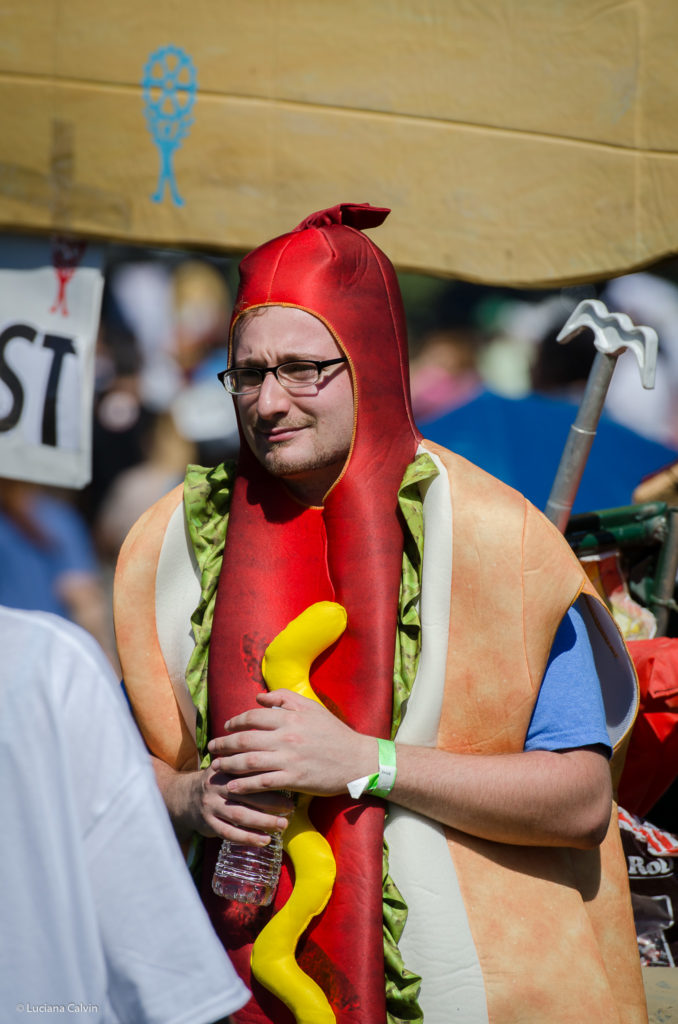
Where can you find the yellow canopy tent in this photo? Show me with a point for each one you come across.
(518, 142)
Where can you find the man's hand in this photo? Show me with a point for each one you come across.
(200, 802)
(291, 742)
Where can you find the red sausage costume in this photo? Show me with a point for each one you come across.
(330, 269)
(472, 693)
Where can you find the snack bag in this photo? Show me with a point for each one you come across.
(652, 859)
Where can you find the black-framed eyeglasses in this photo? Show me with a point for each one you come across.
(293, 375)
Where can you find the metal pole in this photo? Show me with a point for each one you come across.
(579, 441)
(662, 600)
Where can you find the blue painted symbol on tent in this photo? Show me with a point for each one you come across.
(169, 85)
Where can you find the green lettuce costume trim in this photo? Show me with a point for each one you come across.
(207, 500)
(402, 985)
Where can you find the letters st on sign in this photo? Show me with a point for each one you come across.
(49, 372)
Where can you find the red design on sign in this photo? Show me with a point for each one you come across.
(66, 255)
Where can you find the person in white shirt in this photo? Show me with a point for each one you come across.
(100, 917)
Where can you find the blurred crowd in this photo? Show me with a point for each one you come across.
(489, 380)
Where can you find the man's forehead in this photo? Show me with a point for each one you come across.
(285, 330)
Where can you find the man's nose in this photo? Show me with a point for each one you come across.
(272, 397)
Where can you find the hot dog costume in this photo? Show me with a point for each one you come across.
(467, 583)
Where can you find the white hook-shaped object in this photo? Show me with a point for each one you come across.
(613, 332)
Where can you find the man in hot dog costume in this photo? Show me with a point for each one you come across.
(483, 885)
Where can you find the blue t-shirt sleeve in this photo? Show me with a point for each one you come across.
(569, 711)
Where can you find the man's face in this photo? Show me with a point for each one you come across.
(303, 435)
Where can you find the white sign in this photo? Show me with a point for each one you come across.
(50, 304)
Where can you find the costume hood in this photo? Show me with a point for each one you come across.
(327, 267)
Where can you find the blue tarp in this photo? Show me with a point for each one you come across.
(521, 440)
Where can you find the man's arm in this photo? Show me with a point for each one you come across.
(539, 797)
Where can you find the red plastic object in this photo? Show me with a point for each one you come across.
(652, 759)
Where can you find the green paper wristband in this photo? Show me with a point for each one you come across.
(382, 783)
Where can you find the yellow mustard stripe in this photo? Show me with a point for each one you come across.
(286, 664)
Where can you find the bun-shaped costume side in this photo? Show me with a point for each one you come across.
(281, 556)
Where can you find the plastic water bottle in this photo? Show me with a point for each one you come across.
(248, 874)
